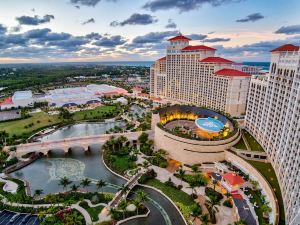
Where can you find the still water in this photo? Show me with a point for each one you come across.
(45, 173)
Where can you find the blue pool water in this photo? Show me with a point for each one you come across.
(209, 124)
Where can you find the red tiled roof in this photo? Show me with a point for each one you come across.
(179, 37)
(163, 59)
(231, 73)
(286, 48)
(7, 101)
(216, 60)
(198, 47)
(233, 179)
(136, 88)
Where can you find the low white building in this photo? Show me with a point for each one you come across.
(19, 99)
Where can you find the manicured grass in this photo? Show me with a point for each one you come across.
(42, 119)
(183, 201)
(123, 163)
(93, 211)
(254, 145)
(100, 112)
(17, 127)
(240, 145)
(256, 198)
(268, 172)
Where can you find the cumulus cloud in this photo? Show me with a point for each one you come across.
(292, 29)
(90, 3)
(171, 24)
(251, 18)
(136, 19)
(182, 5)
(258, 49)
(110, 41)
(212, 40)
(77, 6)
(91, 20)
(154, 37)
(45, 43)
(34, 20)
(198, 37)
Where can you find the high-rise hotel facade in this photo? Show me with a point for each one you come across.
(193, 75)
(273, 118)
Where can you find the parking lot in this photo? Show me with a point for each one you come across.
(10, 115)
(6, 216)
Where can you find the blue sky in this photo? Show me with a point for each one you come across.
(106, 30)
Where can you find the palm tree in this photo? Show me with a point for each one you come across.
(122, 205)
(3, 136)
(100, 184)
(74, 187)
(195, 168)
(196, 211)
(181, 174)
(215, 182)
(64, 181)
(192, 186)
(85, 182)
(212, 207)
(204, 219)
(37, 193)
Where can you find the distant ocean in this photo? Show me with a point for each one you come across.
(263, 65)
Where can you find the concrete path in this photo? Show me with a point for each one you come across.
(85, 214)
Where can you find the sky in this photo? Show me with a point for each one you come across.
(33, 31)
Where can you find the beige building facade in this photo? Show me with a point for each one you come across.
(273, 118)
(193, 75)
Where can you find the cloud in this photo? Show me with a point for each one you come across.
(259, 49)
(292, 29)
(92, 20)
(77, 6)
(110, 41)
(89, 3)
(15, 29)
(3, 29)
(251, 18)
(212, 40)
(153, 37)
(198, 37)
(35, 20)
(182, 5)
(136, 19)
(86, 2)
(171, 24)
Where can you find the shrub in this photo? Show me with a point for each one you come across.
(228, 203)
(211, 192)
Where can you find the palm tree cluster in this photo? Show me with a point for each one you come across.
(85, 182)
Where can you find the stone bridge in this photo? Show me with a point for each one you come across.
(66, 144)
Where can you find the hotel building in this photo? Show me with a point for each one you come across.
(273, 118)
(194, 75)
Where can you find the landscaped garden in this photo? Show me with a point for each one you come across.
(240, 145)
(253, 144)
(93, 211)
(268, 172)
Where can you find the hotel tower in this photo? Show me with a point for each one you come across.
(273, 118)
(194, 75)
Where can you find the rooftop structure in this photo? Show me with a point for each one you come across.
(193, 74)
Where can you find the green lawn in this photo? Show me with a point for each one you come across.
(93, 211)
(256, 198)
(42, 119)
(240, 145)
(17, 127)
(268, 172)
(254, 145)
(180, 198)
(123, 163)
(101, 112)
